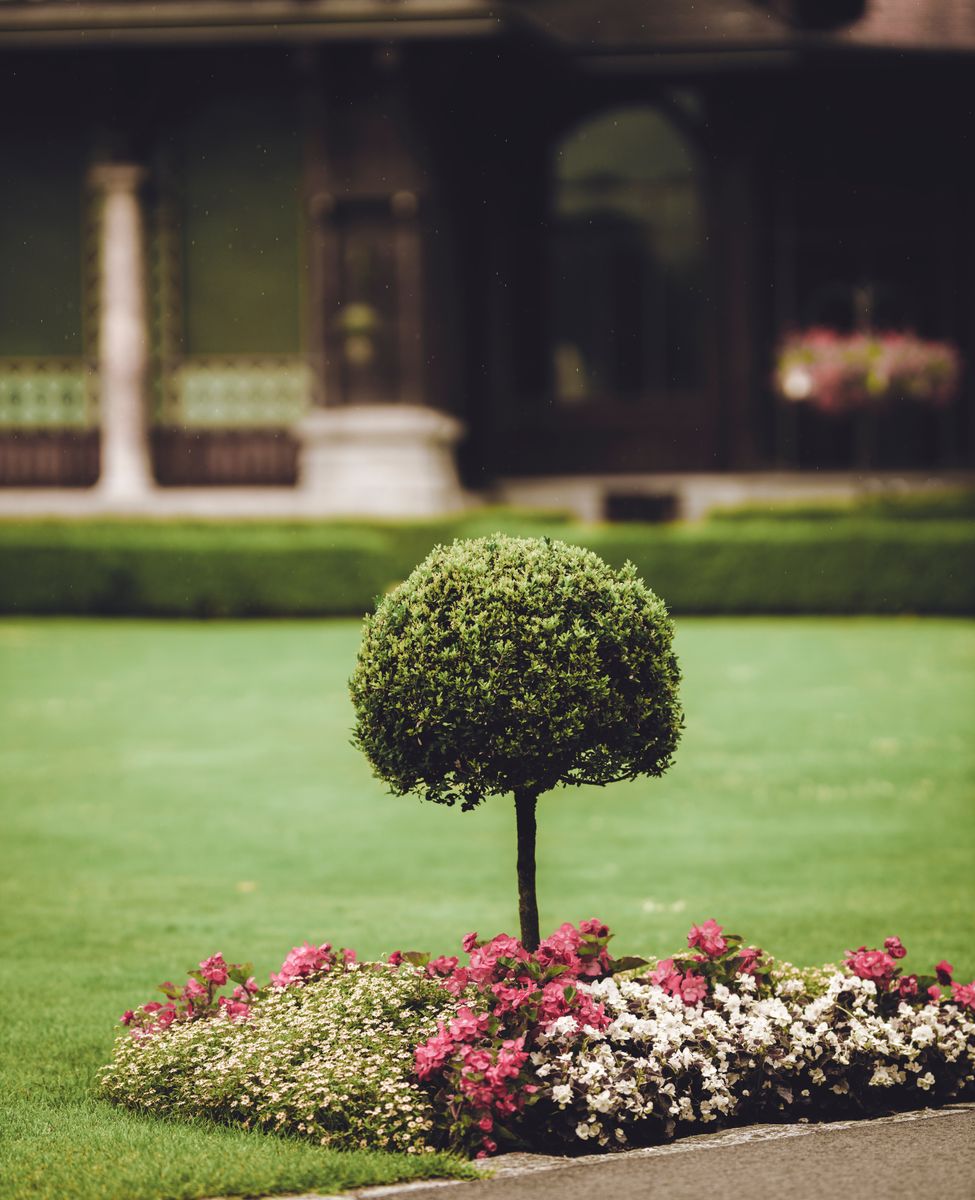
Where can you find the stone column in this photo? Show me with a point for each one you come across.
(123, 335)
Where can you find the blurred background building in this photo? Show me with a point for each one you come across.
(325, 246)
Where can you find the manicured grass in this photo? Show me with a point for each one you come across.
(169, 790)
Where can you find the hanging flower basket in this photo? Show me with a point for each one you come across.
(842, 372)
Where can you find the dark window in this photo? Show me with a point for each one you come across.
(627, 260)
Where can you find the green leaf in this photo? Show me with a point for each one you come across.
(627, 963)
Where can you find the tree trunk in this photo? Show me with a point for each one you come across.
(525, 802)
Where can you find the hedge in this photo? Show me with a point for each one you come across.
(936, 504)
(330, 569)
(780, 567)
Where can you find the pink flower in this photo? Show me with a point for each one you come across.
(666, 976)
(234, 1010)
(195, 991)
(561, 948)
(152, 1007)
(596, 928)
(484, 968)
(127, 1017)
(894, 947)
(467, 1026)
(432, 1055)
(166, 1016)
(934, 994)
(486, 1123)
(964, 993)
(395, 958)
(708, 938)
(214, 969)
(944, 971)
(304, 962)
(470, 942)
(514, 996)
(441, 966)
(475, 1060)
(871, 964)
(244, 991)
(748, 960)
(457, 983)
(348, 956)
(907, 987)
(693, 988)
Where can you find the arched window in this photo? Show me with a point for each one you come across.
(627, 260)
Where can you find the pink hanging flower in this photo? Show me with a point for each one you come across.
(748, 960)
(469, 942)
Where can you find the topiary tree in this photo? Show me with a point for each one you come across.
(512, 665)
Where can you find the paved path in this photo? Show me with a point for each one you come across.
(928, 1153)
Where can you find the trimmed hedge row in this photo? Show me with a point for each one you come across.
(938, 504)
(312, 569)
(777, 567)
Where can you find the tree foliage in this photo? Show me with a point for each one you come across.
(511, 665)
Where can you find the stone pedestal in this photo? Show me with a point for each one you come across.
(123, 338)
(385, 460)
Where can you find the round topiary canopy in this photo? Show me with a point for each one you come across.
(512, 665)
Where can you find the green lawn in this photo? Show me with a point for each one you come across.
(169, 790)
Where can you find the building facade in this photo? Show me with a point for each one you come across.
(578, 229)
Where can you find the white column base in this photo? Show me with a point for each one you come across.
(383, 460)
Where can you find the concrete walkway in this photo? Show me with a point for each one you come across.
(926, 1153)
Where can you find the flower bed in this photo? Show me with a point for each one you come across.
(567, 1048)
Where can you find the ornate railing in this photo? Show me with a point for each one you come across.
(47, 393)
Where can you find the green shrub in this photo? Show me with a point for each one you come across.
(192, 570)
(331, 1060)
(788, 567)
(512, 665)
(942, 504)
(276, 568)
